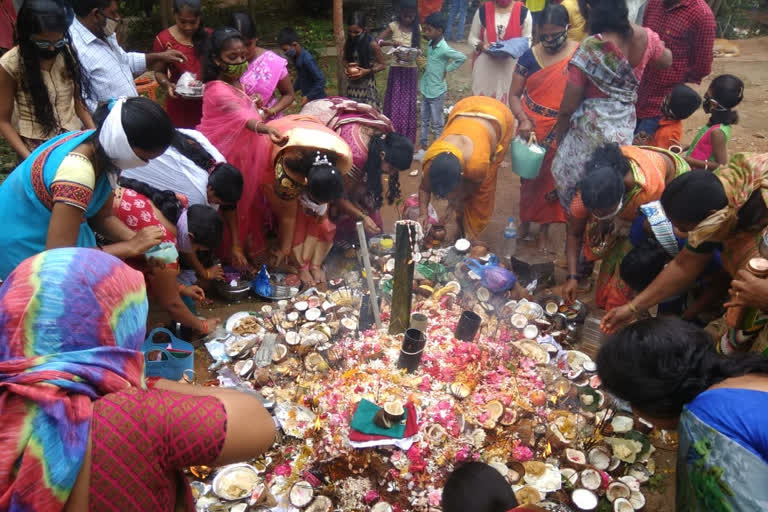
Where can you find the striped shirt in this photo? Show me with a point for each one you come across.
(110, 68)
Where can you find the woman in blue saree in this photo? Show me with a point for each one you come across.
(62, 193)
(671, 374)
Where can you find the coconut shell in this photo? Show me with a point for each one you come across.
(495, 410)
(617, 490)
(590, 479)
(575, 458)
(584, 500)
(623, 505)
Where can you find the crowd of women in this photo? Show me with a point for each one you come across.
(210, 176)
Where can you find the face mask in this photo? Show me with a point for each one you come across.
(557, 42)
(235, 70)
(611, 215)
(114, 141)
(291, 53)
(110, 25)
(47, 53)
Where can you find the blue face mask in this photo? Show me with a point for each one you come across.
(291, 53)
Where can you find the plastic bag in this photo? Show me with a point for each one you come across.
(494, 277)
(411, 210)
(261, 284)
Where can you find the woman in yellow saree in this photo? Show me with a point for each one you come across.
(462, 164)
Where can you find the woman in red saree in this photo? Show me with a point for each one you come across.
(534, 98)
(231, 122)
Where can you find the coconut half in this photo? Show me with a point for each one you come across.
(382, 506)
(495, 410)
(631, 482)
(301, 306)
(312, 314)
(292, 338)
(509, 417)
(519, 321)
(640, 472)
(617, 490)
(637, 499)
(623, 505)
(584, 499)
(531, 332)
(292, 317)
(301, 494)
(350, 324)
(599, 457)
(460, 390)
(462, 245)
(320, 504)
(314, 362)
(551, 308)
(575, 458)
(591, 479)
(570, 475)
(394, 409)
(622, 423)
(482, 294)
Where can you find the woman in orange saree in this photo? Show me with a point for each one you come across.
(534, 98)
(618, 181)
(462, 164)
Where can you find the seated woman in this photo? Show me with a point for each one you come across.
(461, 165)
(298, 180)
(195, 169)
(376, 151)
(617, 182)
(232, 123)
(266, 80)
(670, 374)
(726, 210)
(60, 194)
(190, 229)
(75, 397)
(41, 81)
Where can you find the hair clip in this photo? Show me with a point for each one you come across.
(322, 160)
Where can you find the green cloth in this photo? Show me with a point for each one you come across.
(362, 421)
(441, 59)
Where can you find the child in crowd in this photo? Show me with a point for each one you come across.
(655, 243)
(403, 82)
(362, 60)
(479, 487)
(679, 104)
(441, 60)
(709, 149)
(310, 80)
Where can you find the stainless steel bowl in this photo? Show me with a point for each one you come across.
(231, 293)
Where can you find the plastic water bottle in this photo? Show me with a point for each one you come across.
(510, 239)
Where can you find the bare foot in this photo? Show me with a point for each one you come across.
(318, 274)
(306, 277)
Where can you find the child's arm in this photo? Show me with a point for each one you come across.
(456, 59)
(385, 38)
(719, 146)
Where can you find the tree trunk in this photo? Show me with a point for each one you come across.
(338, 38)
(402, 289)
(166, 13)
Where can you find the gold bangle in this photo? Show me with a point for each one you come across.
(632, 307)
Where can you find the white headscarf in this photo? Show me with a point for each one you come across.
(115, 142)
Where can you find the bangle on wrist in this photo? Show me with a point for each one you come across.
(632, 307)
(575, 277)
(205, 326)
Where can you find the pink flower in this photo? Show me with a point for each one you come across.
(435, 497)
(283, 470)
(522, 453)
(463, 454)
(425, 384)
(371, 496)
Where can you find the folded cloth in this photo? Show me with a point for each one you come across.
(402, 444)
(514, 47)
(362, 421)
(411, 428)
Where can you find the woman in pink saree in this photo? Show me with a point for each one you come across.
(232, 123)
(266, 81)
